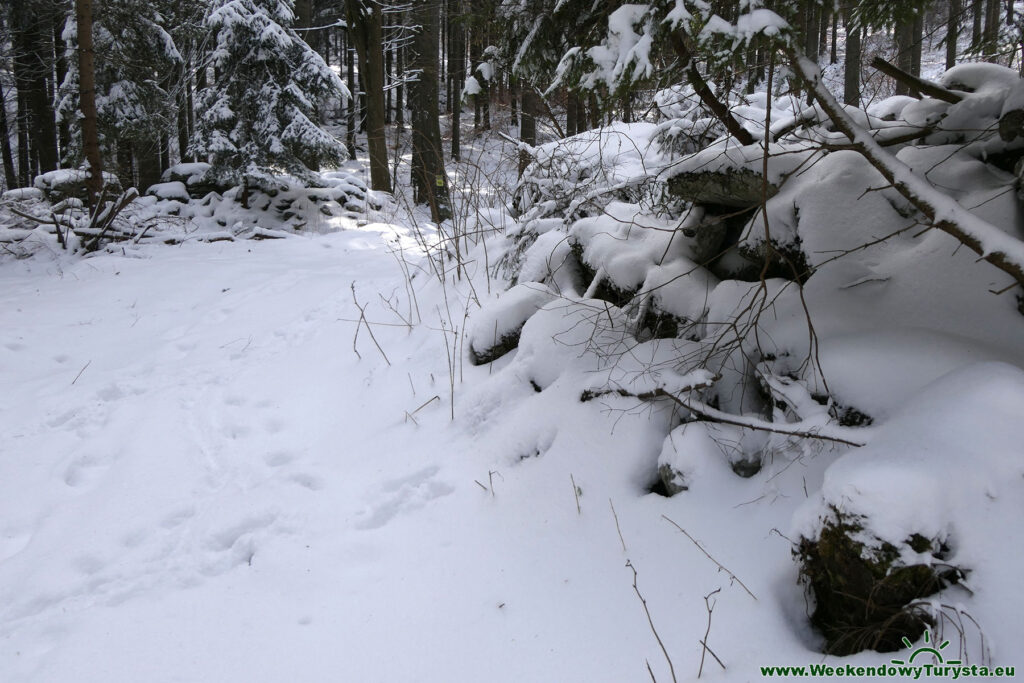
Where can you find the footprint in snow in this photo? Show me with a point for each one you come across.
(85, 471)
(404, 494)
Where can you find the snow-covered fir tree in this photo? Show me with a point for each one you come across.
(259, 116)
(134, 104)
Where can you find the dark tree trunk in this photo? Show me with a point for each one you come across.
(365, 22)
(904, 51)
(810, 33)
(571, 113)
(388, 78)
(851, 82)
(581, 114)
(148, 162)
(823, 25)
(513, 89)
(10, 178)
(31, 31)
(165, 152)
(400, 90)
(917, 33)
(953, 31)
(992, 16)
(977, 16)
(528, 125)
(24, 172)
(429, 180)
(125, 170)
(833, 56)
(183, 100)
(87, 100)
(350, 109)
(456, 71)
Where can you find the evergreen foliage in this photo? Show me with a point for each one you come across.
(259, 116)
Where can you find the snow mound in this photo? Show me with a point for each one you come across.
(496, 327)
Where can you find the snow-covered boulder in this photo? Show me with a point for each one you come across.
(195, 177)
(496, 327)
(937, 493)
(175, 190)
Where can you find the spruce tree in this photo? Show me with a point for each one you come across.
(134, 107)
(259, 116)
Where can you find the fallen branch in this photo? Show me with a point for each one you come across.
(678, 39)
(798, 429)
(916, 85)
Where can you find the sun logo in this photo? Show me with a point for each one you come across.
(926, 649)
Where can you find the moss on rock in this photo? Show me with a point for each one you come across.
(865, 596)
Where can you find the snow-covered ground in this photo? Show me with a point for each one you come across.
(201, 481)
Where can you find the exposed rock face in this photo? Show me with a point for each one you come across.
(738, 188)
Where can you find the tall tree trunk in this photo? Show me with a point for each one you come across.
(833, 56)
(148, 162)
(571, 113)
(456, 71)
(953, 31)
(125, 171)
(823, 25)
(183, 98)
(87, 100)
(429, 180)
(904, 51)
(917, 41)
(33, 67)
(977, 15)
(10, 178)
(528, 125)
(992, 16)
(851, 81)
(366, 33)
(350, 109)
(389, 80)
(24, 172)
(400, 90)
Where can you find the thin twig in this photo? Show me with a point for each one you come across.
(81, 371)
(364, 321)
(650, 621)
(576, 492)
(710, 606)
(617, 527)
(435, 397)
(721, 567)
